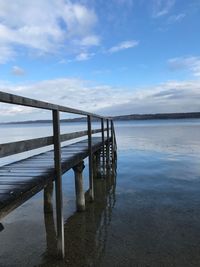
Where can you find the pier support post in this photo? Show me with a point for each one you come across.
(48, 193)
(51, 238)
(58, 184)
(103, 143)
(80, 196)
(108, 146)
(94, 165)
(91, 190)
(113, 143)
(98, 164)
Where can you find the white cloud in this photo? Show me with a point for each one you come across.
(83, 56)
(74, 93)
(162, 7)
(17, 71)
(45, 26)
(176, 18)
(91, 40)
(167, 97)
(190, 63)
(124, 45)
(164, 98)
(5, 53)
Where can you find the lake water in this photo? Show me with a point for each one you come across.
(148, 214)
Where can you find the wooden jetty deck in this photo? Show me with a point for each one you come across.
(20, 180)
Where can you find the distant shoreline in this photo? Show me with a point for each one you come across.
(131, 117)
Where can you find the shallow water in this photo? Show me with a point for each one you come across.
(146, 215)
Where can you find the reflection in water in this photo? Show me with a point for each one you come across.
(1, 227)
(170, 137)
(85, 232)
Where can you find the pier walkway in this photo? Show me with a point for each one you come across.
(20, 180)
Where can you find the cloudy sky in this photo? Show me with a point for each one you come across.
(111, 57)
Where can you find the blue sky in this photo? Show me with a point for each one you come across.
(113, 57)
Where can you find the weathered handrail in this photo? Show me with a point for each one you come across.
(8, 149)
(28, 102)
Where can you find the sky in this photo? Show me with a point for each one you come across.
(109, 57)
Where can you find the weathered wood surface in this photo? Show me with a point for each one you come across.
(20, 180)
(8, 149)
(91, 189)
(58, 183)
(24, 101)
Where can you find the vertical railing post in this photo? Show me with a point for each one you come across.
(108, 145)
(115, 142)
(91, 190)
(58, 183)
(103, 143)
(112, 140)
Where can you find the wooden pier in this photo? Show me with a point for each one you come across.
(20, 180)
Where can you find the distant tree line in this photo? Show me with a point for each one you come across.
(158, 116)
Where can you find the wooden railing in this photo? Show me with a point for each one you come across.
(26, 145)
(9, 149)
(12, 148)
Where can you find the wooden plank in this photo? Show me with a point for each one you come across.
(5, 198)
(29, 180)
(23, 172)
(15, 188)
(17, 177)
(14, 169)
(14, 182)
(38, 158)
(34, 165)
(32, 169)
(9, 149)
(20, 172)
(12, 202)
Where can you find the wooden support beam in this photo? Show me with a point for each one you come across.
(97, 164)
(80, 196)
(58, 183)
(112, 140)
(103, 143)
(48, 193)
(91, 190)
(51, 238)
(94, 165)
(108, 146)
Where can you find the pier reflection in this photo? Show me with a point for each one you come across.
(85, 232)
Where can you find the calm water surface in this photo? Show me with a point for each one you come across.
(146, 215)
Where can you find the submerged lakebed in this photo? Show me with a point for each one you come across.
(148, 214)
